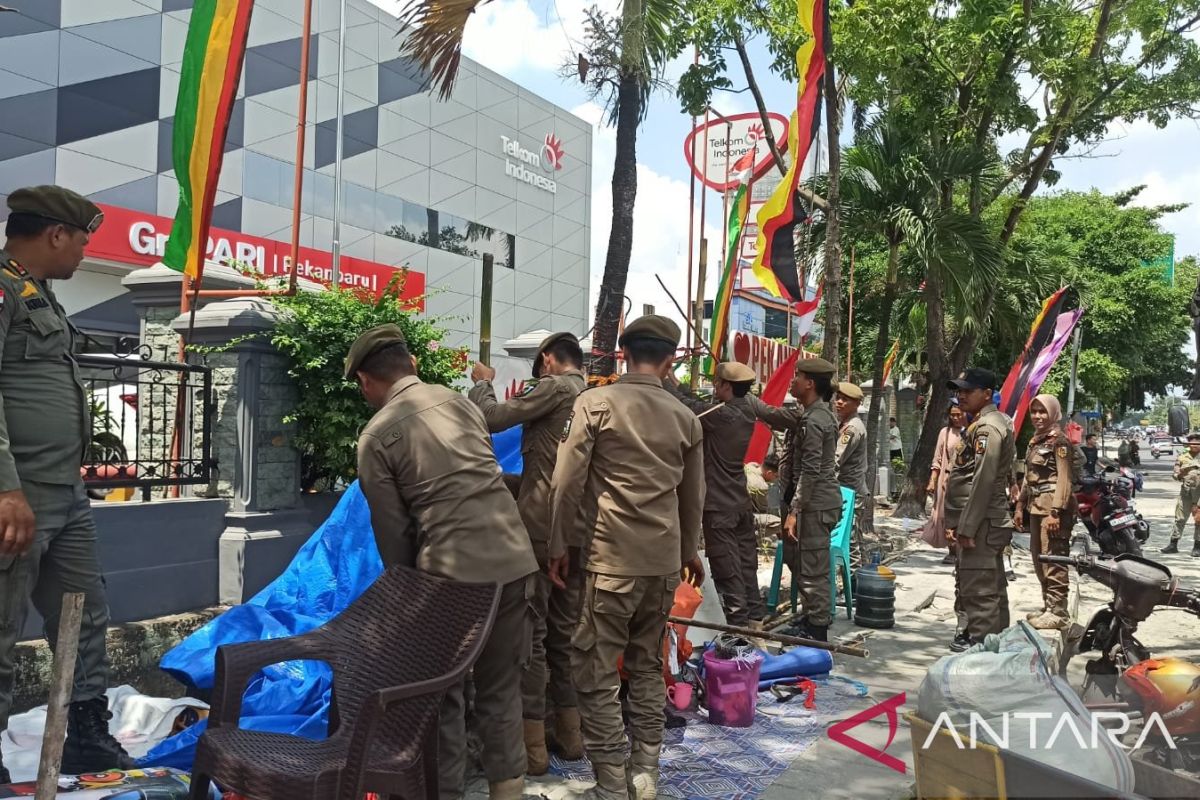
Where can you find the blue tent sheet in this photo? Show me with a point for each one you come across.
(330, 571)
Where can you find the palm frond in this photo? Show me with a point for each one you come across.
(434, 37)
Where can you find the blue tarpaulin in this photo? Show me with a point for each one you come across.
(330, 571)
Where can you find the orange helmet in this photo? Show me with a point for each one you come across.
(1171, 687)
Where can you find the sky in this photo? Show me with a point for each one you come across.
(527, 41)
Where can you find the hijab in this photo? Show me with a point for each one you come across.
(1053, 413)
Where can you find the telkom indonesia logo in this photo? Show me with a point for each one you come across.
(755, 133)
(552, 152)
(839, 732)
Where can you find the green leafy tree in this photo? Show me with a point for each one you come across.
(314, 332)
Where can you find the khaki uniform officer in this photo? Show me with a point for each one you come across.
(543, 408)
(438, 504)
(851, 453)
(1187, 472)
(816, 502)
(47, 534)
(978, 522)
(1046, 504)
(632, 459)
(729, 538)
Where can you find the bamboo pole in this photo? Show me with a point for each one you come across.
(62, 677)
(485, 310)
(843, 649)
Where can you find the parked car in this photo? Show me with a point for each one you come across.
(1161, 445)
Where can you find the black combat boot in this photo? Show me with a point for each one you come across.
(90, 747)
(811, 631)
(961, 643)
(1173, 547)
(1196, 550)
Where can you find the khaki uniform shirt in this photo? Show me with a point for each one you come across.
(814, 453)
(1047, 485)
(44, 412)
(543, 409)
(727, 430)
(852, 456)
(977, 490)
(1187, 470)
(438, 503)
(632, 459)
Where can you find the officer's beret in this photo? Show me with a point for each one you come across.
(651, 326)
(58, 205)
(370, 342)
(734, 372)
(1193, 437)
(851, 390)
(815, 366)
(546, 344)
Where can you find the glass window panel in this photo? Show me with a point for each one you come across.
(323, 196)
(389, 214)
(260, 178)
(358, 205)
(415, 223)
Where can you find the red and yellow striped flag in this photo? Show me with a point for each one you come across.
(891, 361)
(212, 68)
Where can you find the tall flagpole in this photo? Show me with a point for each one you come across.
(336, 272)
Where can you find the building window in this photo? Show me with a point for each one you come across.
(775, 323)
(269, 180)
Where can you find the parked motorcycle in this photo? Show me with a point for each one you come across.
(1107, 512)
(1123, 668)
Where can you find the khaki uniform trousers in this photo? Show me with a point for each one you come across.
(981, 590)
(62, 559)
(621, 616)
(555, 613)
(1189, 498)
(1055, 578)
(497, 679)
(732, 551)
(808, 560)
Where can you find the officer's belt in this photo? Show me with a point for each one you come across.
(1043, 488)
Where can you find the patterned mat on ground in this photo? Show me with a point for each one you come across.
(709, 761)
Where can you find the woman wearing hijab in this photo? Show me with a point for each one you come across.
(1047, 507)
(949, 438)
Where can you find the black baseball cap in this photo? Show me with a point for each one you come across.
(974, 378)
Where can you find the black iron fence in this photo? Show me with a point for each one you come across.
(151, 422)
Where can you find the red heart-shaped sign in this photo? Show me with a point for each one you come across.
(731, 141)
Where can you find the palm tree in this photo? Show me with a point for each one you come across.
(622, 65)
(892, 188)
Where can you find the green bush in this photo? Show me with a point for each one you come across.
(315, 332)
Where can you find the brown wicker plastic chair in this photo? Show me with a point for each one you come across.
(394, 653)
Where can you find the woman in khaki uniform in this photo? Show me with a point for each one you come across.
(1047, 506)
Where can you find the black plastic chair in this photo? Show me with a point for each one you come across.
(394, 653)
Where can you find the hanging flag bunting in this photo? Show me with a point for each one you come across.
(1041, 332)
(1064, 324)
(212, 68)
(775, 263)
(890, 361)
(739, 210)
(773, 394)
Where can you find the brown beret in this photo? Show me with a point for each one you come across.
(546, 344)
(369, 342)
(815, 366)
(734, 372)
(651, 326)
(58, 205)
(851, 390)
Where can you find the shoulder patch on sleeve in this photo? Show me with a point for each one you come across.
(845, 438)
(981, 443)
(1061, 451)
(566, 431)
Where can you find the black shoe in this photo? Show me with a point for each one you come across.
(1173, 547)
(1196, 550)
(1010, 575)
(950, 558)
(961, 643)
(90, 747)
(810, 631)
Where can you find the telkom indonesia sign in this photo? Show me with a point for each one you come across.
(714, 147)
(537, 168)
(132, 237)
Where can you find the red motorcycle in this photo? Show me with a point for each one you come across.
(1107, 512)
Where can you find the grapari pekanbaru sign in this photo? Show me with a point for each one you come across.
(727, 141)
(534, 167)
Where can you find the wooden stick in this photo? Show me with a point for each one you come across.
(62, 677)
(750, 633)
(709, 411)
(686, 317)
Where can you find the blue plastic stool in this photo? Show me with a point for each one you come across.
(839, 557)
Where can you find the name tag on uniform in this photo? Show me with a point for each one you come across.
(36, 303)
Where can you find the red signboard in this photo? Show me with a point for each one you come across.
(134, 237)
(760, 354)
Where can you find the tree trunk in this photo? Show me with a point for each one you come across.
(830, 348)
(882, 344)
(913, 495)
(620, 240)
(769, 132)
